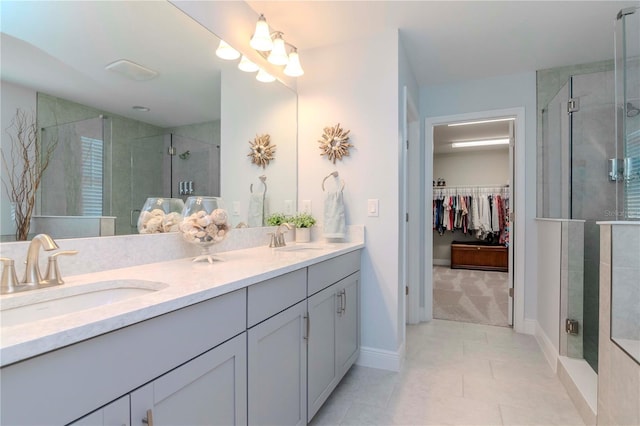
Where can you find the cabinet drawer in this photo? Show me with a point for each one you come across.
(94, 372)
(323, 274)
(269, 297)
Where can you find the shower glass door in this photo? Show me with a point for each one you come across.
(77, 181)
(628, 105)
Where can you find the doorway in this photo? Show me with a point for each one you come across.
(471, 232)
(516, 185)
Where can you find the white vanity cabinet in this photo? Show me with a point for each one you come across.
(277, 351)
(334, 326)
(65, 385)
(209, 390)
(115, 414)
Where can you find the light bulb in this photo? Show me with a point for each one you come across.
(261, 39)
(224, 51)
(264, 76)
(246, 65)
(293, 68)
(278, 55)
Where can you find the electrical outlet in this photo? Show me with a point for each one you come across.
(236, 208)
(306, 206)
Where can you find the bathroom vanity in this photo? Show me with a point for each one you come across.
(262, 337)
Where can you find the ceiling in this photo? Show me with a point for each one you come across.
(444, 135)
(450, 41)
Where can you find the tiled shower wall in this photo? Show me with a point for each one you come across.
(618, 373)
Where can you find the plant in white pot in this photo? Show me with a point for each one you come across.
(303, 223)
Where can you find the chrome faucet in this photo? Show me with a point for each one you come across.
(277, 238)
(32, 275)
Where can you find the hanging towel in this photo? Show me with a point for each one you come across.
(256, 206)
(334, 220)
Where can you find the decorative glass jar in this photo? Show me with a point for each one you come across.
(205, 222)
(160, 215)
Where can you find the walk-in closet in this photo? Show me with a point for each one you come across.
(472, 204)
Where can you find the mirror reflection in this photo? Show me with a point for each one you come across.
(137, 105)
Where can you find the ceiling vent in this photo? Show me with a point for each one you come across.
(132, 70)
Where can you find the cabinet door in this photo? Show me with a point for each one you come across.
(208, 390)
(322, 368)
(114, 414)
(348, 323)
(277, 373)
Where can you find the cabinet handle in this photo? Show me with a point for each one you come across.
(308, 321)
(339, 295)
(344, 293)
(149, 419)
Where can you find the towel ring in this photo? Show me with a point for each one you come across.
(263, 178)
(334, 174)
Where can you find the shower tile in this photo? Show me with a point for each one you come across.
(626, 246)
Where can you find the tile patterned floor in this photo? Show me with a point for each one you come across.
(455, 374)
(480, 297)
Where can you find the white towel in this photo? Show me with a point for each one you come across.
(334, 221)
(256, 205)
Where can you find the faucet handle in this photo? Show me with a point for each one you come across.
(53, 276)
(9, 281)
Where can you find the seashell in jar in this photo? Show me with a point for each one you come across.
(157, 212)
(204, 221)
(219, 216)
(153, 225)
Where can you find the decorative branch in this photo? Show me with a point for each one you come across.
(261, 150)
(335, 143)
(24, 166)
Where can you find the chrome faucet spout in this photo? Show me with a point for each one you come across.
(32, 273)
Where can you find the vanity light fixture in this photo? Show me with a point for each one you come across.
(488, 142)
(224, 51)
(293, 68)
(246, 65)
(264, 76)
(492, 120)
(261, 40)
(278, 55)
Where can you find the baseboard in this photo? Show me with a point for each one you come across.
(529, 326)
(442, 262)
(381, 359)
(581, 383)
(550, 352)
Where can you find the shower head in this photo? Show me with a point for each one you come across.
(632, 110)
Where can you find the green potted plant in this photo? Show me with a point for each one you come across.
(277, 219)
(303, 223)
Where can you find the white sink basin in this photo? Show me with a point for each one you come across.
(35, 305)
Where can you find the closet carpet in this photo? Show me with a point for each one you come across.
(479, 297)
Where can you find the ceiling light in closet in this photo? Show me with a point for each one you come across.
(493, 120)
(487, 142)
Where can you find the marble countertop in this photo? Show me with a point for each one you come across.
(183, 283)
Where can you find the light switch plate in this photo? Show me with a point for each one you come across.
(236, 208)
(306, 206)
(372, 207)
(288, 207)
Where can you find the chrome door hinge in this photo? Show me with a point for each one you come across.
(511, 292)
(571, 326)
(406, 217)
(172, 150)
(573, 105)
(406, 290)
(407, 143)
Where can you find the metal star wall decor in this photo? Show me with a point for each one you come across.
(261, 150)
(335, 143)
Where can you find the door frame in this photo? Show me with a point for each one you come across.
(517, 183)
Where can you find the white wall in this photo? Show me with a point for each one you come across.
(509, 91)
(13, 97)
(472, 168)
(354, 85)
